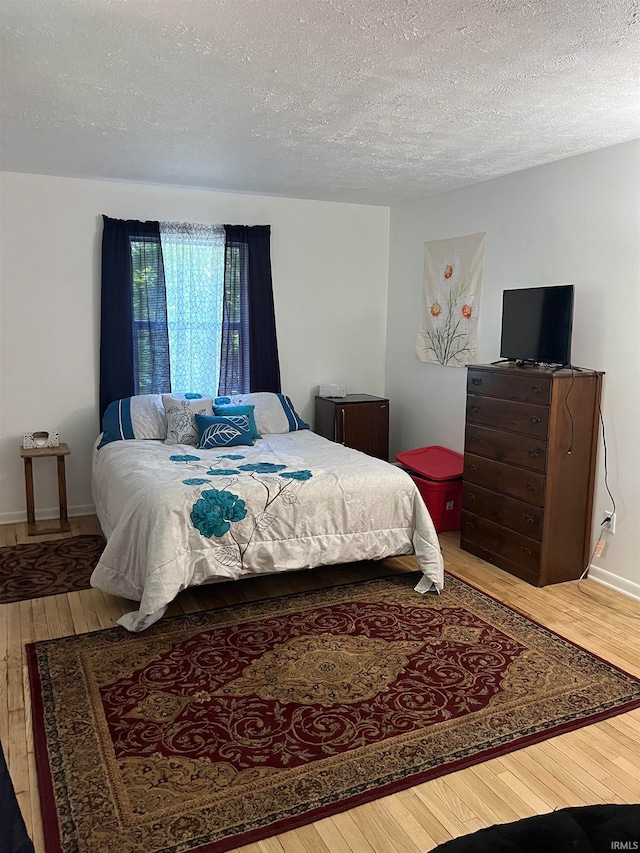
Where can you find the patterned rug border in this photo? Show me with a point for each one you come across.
(45, 775)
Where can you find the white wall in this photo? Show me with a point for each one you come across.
(574, 221)
(330, 266)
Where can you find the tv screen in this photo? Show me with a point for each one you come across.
(537, 323)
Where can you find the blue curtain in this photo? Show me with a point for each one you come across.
(135, 351)
(249, 354)
(134, 342)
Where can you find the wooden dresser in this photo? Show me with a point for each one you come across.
(357, 420)
(529, 469)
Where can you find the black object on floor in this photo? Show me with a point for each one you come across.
(584, 829)
(13, 833)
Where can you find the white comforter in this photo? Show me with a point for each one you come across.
(175, 516)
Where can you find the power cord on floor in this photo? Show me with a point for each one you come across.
(598, 550)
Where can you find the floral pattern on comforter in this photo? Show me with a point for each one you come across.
(175, 516)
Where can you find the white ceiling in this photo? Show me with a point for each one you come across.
(370, 101)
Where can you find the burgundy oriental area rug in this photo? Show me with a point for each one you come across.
(37, 569)
(216, 729)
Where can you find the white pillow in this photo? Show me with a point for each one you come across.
(274, 413)
(181, 411)
(134, 418)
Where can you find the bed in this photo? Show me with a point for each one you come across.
(177, 515)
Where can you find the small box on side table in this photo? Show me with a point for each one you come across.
(29, 454)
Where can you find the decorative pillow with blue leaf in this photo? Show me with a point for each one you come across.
(231, 411)
(132, 418)
(181, 411)
(217, 431)
(274, 413)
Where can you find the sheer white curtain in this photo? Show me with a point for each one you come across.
(194, 278)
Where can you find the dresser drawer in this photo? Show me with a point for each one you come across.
(519, 483)
(526, 388)
(508, 544)
(501, 509)
(506, 447)
(525, 418)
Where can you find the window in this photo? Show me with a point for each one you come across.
(186, 308)
(194, 281)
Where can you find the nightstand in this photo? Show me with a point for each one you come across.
(357, 420)
(29, 454)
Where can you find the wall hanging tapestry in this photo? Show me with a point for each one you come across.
(36, 569)
(213, 730)
(450, 300)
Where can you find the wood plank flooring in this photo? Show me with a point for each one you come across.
(596, 764)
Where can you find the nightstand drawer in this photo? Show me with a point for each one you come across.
(502, 542)
(526, 388)
(501, 509)
(527, 486)
(525, 418)
(506, 447)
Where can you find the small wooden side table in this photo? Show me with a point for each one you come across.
(29, 454)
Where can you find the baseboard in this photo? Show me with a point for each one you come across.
(622, 585)
(47, 514)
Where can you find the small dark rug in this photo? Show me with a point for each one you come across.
(215, 729)
(37, 569)
(583, 829)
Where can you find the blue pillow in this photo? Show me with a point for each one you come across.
(216, 431)
(229, 411)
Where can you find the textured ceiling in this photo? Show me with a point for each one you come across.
(372, 101)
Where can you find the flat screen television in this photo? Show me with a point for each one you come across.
(537, 324)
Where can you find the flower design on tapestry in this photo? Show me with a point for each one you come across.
(324, 669)
(451, 289)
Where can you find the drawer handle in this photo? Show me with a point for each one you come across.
(477, 381)
(471, 496)
(475, 409)
(473, 467)
(526, 550)
(530, 487)
(534, 453)
(535, 420)
(470, 524)
(528, 518)
(536, 389)
(473, 437)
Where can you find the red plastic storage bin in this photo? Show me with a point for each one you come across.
(437, 472)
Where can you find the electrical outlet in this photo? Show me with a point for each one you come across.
(612, 521)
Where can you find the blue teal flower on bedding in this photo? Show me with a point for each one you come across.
(221, 401)
(195, 481)
(193, 396)
(262, 467)
(214, 512)
(185, 458)
(221, 472)
(231, 456)
(297, 475)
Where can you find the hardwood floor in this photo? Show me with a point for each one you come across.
(596, 764)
